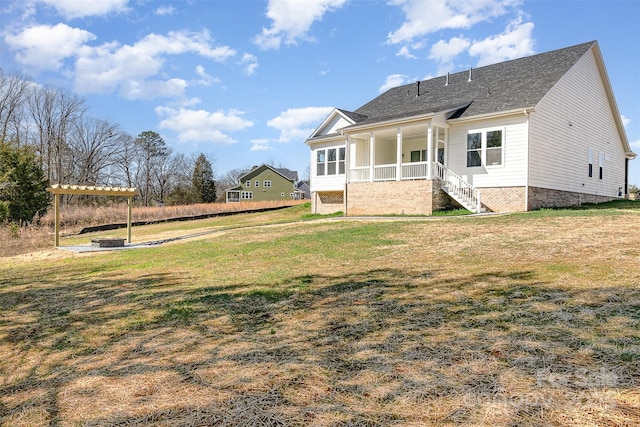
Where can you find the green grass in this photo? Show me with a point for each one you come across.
(526, 319)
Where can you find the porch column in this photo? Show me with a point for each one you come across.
(430, 152)
(347, 159)
(372, 156)
(399, 154)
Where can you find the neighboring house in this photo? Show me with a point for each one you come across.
(540, 131)
(304, 187)
(264, 183)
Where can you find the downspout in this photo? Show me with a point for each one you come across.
(526, 185)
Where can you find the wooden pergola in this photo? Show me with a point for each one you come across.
(58, 189)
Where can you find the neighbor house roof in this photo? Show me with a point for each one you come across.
(506, 86)
(284, 172)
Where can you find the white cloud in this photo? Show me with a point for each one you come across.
(292, 19)
(250, 63)
(515, 42)
(393, 80)
(296, 124)
(104, 68)
(202, 126)
(426, 17)
(165, 10)
(82, 8)
(444, 52)
(635, 145)
(261, 145)
(44, 47)
(625, 120)
(404, 52)
(151, 89)
(205, 79)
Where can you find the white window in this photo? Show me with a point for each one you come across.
(267, 183)
(246, 195)
(257, 184)
(341, 160)
(590, 162)
(320, 163)
(247, 183)
(418, 156)
(485, 148)
(331, 161)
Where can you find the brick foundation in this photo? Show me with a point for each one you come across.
(504, 199)
(394, 198)
(546, 198)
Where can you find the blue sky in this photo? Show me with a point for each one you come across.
(247, 81)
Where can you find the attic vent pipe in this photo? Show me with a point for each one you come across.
(446, 82)
(470, 74)
(418, 85)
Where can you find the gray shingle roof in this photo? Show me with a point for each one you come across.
(506, 86)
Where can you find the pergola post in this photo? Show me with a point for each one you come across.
(129, 204)
(56, 210)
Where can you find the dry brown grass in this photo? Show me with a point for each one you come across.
(15, 241)
(515, 320)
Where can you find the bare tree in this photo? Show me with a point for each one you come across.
(95, 146)
(229, 180)
(53, 113)
(14, 90)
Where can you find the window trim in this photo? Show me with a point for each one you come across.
(256, 183)
(246, 195)
(247, 183)
(266, 183)
(483, 146)
(335, 167)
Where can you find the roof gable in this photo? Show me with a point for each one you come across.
(335, 121)
(287, 174)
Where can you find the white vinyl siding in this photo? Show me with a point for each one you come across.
(570, 127)
(323, 181)
(513, 152)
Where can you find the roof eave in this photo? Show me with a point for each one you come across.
(385, 123)
(513, 112)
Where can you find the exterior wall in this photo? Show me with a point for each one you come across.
(512, 172)
(575, 116)
(504, 199)
(393, 197)
(327, 202)
(548, 198)
(279, 185)
(324, 183)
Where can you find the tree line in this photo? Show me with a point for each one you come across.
(54, 130)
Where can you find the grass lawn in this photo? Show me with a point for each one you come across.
(526, 319)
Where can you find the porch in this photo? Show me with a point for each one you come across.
(408, 153)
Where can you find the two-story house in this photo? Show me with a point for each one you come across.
(264, 183)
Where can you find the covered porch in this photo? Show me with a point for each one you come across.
(395, 154)
(410, 152)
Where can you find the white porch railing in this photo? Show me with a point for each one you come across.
(416, 170)
(459, 189)
(359, 174)
(463, 192)
(385, 172)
